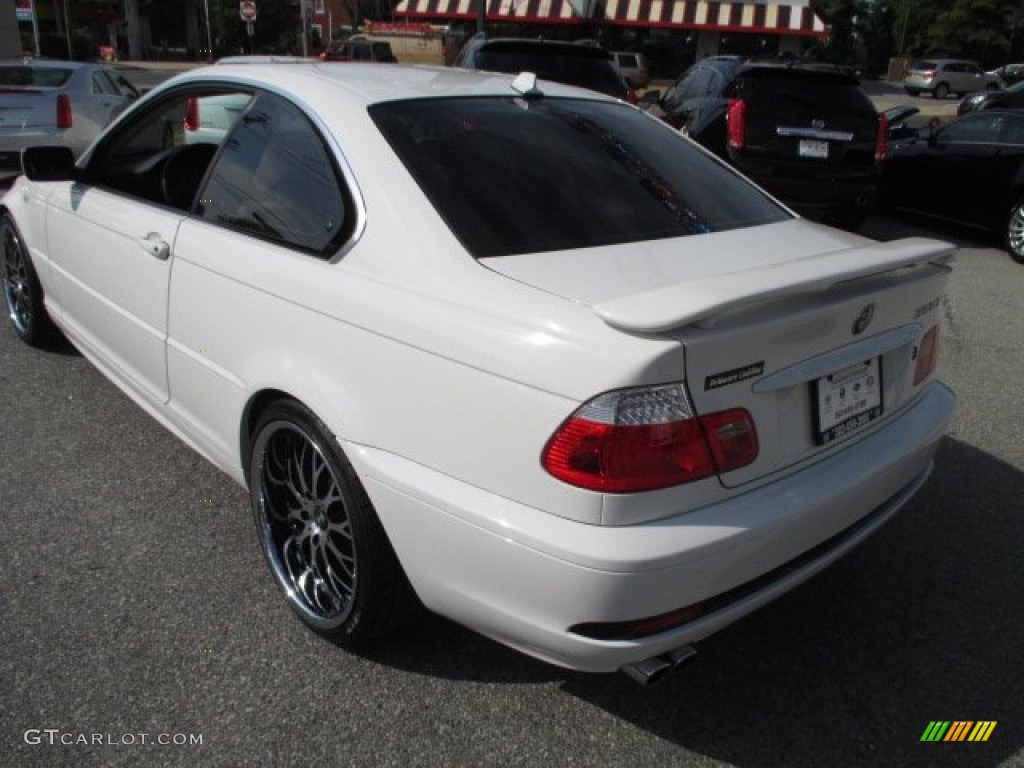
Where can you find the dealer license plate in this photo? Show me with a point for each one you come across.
(848, 400)
(811, 148)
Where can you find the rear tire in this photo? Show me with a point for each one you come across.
(325, 546)
(23, 293)
(941, 91)
(1015, 232)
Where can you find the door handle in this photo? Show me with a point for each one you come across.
(155, 246)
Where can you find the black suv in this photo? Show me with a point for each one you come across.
(806, 133)
(586, 66)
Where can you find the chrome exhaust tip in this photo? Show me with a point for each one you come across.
(648, 672)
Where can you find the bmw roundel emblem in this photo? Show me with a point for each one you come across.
(863, 319)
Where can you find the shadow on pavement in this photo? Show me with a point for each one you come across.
(919, 624)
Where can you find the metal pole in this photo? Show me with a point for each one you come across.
(35, 27)
(481, 15)
(305, 31)
(209, 36)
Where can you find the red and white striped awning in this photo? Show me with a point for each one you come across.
(753, 17)
(765, 18)
(542, 11)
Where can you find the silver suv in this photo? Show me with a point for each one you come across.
(941, 77)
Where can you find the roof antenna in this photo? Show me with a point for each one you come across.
(525, 84)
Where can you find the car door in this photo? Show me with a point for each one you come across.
(957, 172)
(111, 239)
(273, 211)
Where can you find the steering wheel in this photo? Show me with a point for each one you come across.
(183, 172)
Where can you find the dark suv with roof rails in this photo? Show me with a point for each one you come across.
(586, 66)
(807, 133)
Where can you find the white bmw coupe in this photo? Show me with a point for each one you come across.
(509, 350)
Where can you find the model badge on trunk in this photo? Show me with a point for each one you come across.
(863, 319)
(725, 378)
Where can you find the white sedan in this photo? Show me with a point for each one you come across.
(502, 348)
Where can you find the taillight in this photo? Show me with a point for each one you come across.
(191, 114)
(927, 355)
(736, 123)
(631, 96)
(647, 438)
(882, 142)
(64, 117)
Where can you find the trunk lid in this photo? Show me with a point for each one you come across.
(27, 107)
(815, 332)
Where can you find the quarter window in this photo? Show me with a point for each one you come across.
(275, 179)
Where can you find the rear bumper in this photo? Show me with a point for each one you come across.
(524, 577)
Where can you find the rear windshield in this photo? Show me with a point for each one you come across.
(511, 176)
(41, 77)
(804, 95)
(923, 65)
(581, 68)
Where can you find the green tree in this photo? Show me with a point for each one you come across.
(980, 30)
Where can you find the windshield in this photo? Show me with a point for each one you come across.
(513, 176)
(26, 75)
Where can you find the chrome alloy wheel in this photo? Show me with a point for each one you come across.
(16, 281)
(304, 524)
(1015, 232)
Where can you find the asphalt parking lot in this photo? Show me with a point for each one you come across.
(136, 607)
(140, 626)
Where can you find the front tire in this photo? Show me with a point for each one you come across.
(1015, 232)
(324, 544)
(22, 290)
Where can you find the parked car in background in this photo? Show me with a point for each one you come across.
(898, 124)
(969, 172)
(942, 77)
(806, 133)
(583, 65)
(359, 50)
(1010, 74)
(1011, 98)
(503, 347)
(633, 67)
(62, 103)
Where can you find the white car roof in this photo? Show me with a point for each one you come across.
(321, 83)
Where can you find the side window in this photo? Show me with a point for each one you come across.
(979, 128)
(683, 89)
(162, 154)
(126, 88)
(715, 83)
(102, 84)
(275, 179)
(1013, 131)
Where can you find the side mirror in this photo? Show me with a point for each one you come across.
(48, 164)
(652, 96)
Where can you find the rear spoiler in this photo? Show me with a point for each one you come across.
(700, 301)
